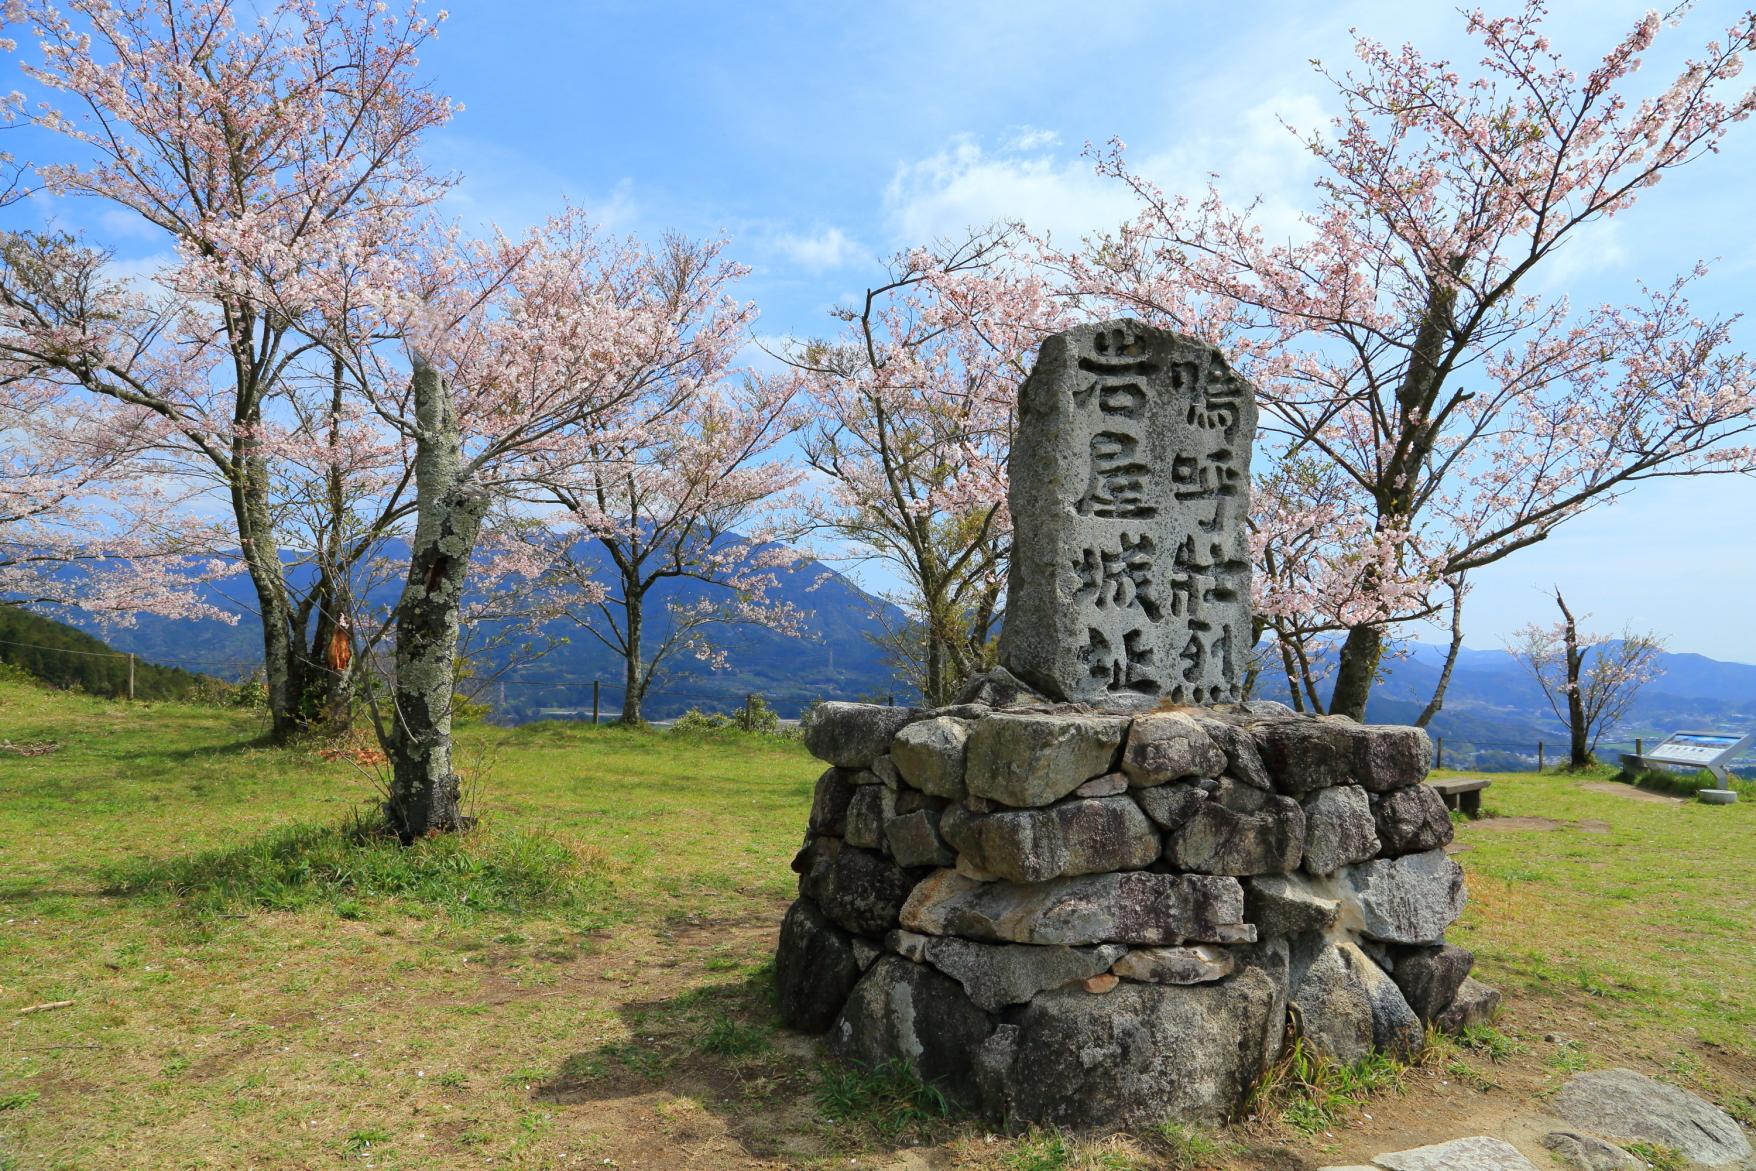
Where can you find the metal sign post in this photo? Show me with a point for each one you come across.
(1699, 749)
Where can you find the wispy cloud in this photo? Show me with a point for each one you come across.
(828, 249)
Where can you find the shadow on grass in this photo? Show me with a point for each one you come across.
(358, 864)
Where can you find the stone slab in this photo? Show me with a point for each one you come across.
(1624, 1104)
(1132, 907)
(1477, 1153)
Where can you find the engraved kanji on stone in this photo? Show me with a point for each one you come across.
(1202, 477)
(1120, 577)
(1124, 668)
(1117, 486)
(1217, 404)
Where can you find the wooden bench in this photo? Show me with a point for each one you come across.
(1462, 793)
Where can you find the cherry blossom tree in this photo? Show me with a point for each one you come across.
(275, 148)
(1590, 680)
(915, 402)
(1399, 341)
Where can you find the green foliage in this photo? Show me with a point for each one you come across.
(1186, 1148)
(1489, 1041)
(70, 659)
(17, 1101)
(1312, 1092)
(1658, 1156)
(757, 716)
(889, 1098)
(348, 866)
(729, 1037)
(696, 722)
(754, 718)
(1688, 784)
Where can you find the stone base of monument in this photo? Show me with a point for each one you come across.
(1066, 915)
(1717, 796)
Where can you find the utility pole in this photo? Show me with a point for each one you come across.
(594, 701)
(131, 676)
(1439, 752)
(1539, 756)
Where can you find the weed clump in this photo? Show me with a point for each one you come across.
(890, 1098)
(1313, 1092)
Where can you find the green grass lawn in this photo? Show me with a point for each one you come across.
(584, 980)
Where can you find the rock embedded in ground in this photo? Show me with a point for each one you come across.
(1132, 1057)
(1411, 899)
(1304, 754)
(1077, 836)
(1024, 759)
(852, 735)
(994, 975)
(1169, 746)
(1411, 820)
(1201, 964)
(914, 840)
(829, 802)
(1587, 1152)
(1330, 1005)
(929, 754)
(1430, 976)
(912, 1013)
(1396, 1030)
(814, 969)
(1339, 829)
(1630, 1105)
(1219, 840)
(1287, 904)
(1128, 907)
(1478, 1153)
(860, 890)
(1474, 1004)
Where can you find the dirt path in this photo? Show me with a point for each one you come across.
(1630, 792)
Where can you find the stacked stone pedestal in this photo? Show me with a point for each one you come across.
(1069, 916)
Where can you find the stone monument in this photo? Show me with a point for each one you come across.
(1099, 891)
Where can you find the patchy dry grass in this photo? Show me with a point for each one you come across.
(258, 980)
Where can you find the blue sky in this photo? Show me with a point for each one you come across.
(822, 137)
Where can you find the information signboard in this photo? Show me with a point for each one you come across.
(1708, 750)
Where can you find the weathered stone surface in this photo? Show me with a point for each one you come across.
(1287, 904)
(1131, 907)
(1077, 836)
(1474, 1004)
(829, 802)
(1108, 785)
(814, 969)
(1390, 756)
(997, 688)
(1339, 829)
(1411, 820)
(1169, 746)
(1130, 574)
(1101, 985)
(1478, 1153)
(1201, 964)
(902, 1011)
(1025, 759)
(1331, 1007)
(1629, 1105)
(870, 808)
(929, 755)
(1242, 759)
(1133, 1057)
(884, 770)
(1587, 1152)
(915, 841)
(1219, 840)
(852, 735)
(909, 800)
(974, 873)
(866, 952)
(1411, 899)
(994, 975)
(1396, 1029)
(860, 890)
(1430, 976)
(1173, 805)
(1303, 754)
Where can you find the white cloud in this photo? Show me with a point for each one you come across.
(830, 248)
(1028, 138)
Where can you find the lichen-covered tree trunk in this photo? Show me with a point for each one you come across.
(425, 789)
(261, 552)
(634, 675)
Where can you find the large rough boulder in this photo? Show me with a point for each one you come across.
(1390, 756)
(994, 975)
(1288, 904)
(930, 755)
(814, 969)
(1132, 1057)
(1026, 759)
(860, 890)
(871, 807)
(903, 1011)
(1475, 1003)
(1411, 899)
(1200, 964)
(915, 840)
(1430, 977)
(1078, 836)
(1587, 1152)
(853, 735)
(1217, 839)
(1304, 754)
(1347, 1007)
(829, 802)
(1411, 820)
(1131, 907)
(1242, 759)
(1339, 829)
(1628, 1105)
(1170, 746)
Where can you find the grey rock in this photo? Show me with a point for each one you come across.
(884, 769)
(915, 841)
(866, 952)
(1219, 840)
(1022, 759)
(1629, 1105)
(1133, 1057)
(909, 800)
(1396, 1029)
(814, 969)
(1130, 907)
(1331, 1008)
(1430, 977)
(994, 975)
(1339, 829)
(1078, 836)
(829, 802)
(1287, 904)
(852, 735)
(1108, 785)
(1172, 805)
(1474, 1004)
(1390, 756)
(1242, 759)
(1303, 754)
(1411, 899)
(1169, 746)
(1587, 1152)
(929, 755)
(912, 1013)
(1201, 964)
(1130, 571)
(1478, 1153)
(1411, 820)
(870, 808)
(860, 890)
(974, 873)
(997, 688)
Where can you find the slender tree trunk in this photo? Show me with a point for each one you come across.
(633, 679)
(1579, 746)
(425, 790)
(1354, 675)
(1456, 648)
(280, 658)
